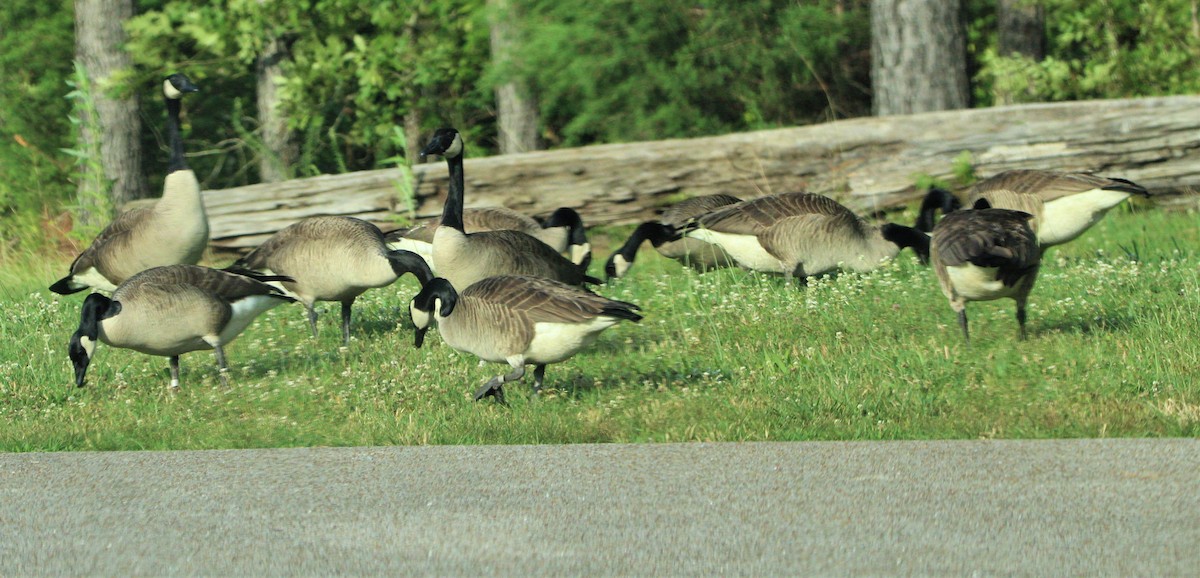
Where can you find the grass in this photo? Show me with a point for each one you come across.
(730, 355)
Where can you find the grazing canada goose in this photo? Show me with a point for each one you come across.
(1063, 205)
(663, 235)
(802, 234)
(465, 258)
(516, 320)
(985, 254)
(174, 230)
(331, 259)
(563, 231)
(170, 311)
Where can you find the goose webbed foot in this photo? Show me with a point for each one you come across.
(539, 374)
(494, 388)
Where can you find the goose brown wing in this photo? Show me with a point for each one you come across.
(114, 239)
(752, 216)
(517, 253)
(223, 284)
(681, 212)
(988, 238)
(545, 300)
(293, 241)
(1051, 185)
(801, 234)
(497, 219)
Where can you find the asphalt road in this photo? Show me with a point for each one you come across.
(1039, 508)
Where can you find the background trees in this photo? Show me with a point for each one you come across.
(303, 87)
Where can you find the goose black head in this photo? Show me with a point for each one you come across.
(937, 199)
(439, 295)
(657, 233)
(904, 236)
(581, 250)
(445, 142)
(96, 308)
(177, 85)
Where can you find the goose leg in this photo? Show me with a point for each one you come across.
(962, 322)
(174, 359)
(346, 305)
(312, 318)
(1021, 320)
(495, 386)
(539, 374)
(222, 369)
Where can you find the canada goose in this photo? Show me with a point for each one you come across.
(516, 320)
(331, 259)
(985, 254)
(663, 236)
(563, 231)
(174, 230)
(802, 234)
(1063, 205)
(465, 258)
(170, 311)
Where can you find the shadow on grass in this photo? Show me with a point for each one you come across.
(1104, 325)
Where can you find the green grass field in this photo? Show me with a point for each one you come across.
(1114, 350)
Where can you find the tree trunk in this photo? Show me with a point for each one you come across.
(918, 56)
(99, 40)
(282, 151)
(1021, 28)
(516, 107)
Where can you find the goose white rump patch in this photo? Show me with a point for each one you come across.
(1066, 218)
(745, 249)
(553, 342)
(978, 283)
(244, 311)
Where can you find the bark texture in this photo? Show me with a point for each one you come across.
(1021, 28)
(99, 43)
(276, 137)
(516, 107)
(868, 163)
(918, 56)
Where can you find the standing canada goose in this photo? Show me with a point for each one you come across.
(663, 235)
(563, 231)
(465, 258)
(516, 320)
(1063, 205)
(802, 234)
(331, 259)
(174, 230)
(170, 311)
(985, 254)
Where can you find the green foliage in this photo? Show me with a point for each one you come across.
(36, 45)
(621, 70)
(1109, 49)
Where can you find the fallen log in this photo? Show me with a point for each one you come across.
(868, 163)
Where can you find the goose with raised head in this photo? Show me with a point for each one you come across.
(173, 231)
(802, 234)
(1064, 204)
(464, 258)
(331, 258)
(169, 311)
(516, 320)
(985, 254)
(664, 237)
(563, 231)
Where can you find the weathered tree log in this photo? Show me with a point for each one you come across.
(867, 163)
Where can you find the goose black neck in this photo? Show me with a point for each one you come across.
(408, 262)
(904, 237)
(177, 162)
(452, 212)
(936, 199)
(565, 217)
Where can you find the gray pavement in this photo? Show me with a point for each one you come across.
(1036, 508)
